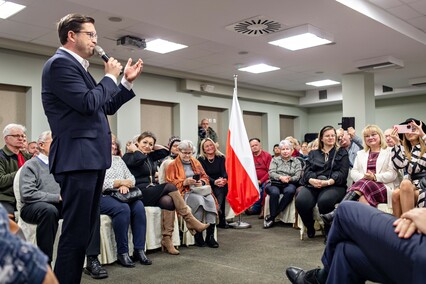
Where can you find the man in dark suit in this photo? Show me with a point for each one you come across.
(77, 109)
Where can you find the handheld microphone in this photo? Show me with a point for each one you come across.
(101, 52)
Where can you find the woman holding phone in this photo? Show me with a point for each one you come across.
(409, 155)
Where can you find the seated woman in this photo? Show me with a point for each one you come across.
(123, 214)
(187, 173)
(373, 172)
(174, 152)
(213, 162)
(324, 179)
(284, 173)
(410, 156)
(140, 160)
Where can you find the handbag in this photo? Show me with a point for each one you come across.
(134, 194)
(203, 190)
(277, 183)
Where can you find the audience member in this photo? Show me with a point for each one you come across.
(123, 215)
(296, 146)
(313, 145)
(32, 148)
(411, 157)
(188, 175)
(140, 160)
(387, 133)
(304, 150)
(276, 151)
(21, 262)
(173, 153)
(205, 131)
(324, 179)
(373, 172)
(42, 206)
(213, 162)
(366, 244)
(24, 148)
(284, 173)
(11, 159)
(349, 141)
(262, 160)
(116, 148)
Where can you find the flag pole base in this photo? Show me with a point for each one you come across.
(239, 224)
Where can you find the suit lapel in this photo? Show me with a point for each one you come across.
(87, 75)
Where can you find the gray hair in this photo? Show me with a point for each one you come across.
(8, 129)
(287, 143)
(43, 136)
(186, 144)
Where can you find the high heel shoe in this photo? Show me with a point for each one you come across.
(125, 260)
(167, 246)
(139, 255)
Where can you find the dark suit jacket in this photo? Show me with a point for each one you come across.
(77, 108)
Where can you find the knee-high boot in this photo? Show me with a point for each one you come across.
(167, 228)
(210, 241)
(192, 223)
(350, 196)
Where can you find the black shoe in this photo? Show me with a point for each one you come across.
(299, 276)
(328, 218)
(211, 242)
(268, 222)
(125, 260)
(199, 240)
(95, 269)
(251, 211)
(311, 232)
(223, 225)
(139, 255)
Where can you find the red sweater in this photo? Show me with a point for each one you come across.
(261, 163)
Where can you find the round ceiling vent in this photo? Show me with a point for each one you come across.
(256, 26)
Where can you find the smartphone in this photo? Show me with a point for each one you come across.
(405, 128)
(196, 177)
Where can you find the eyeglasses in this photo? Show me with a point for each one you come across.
(186, 153)
(17, 136)
(92, 35)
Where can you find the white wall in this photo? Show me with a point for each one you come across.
(25, 70)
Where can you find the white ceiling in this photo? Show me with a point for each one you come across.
(214, 51)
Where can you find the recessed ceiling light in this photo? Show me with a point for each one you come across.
(8, 9)
(163, 46)
(115, 19)
(259, 68)
(323, 83)
(301, 37)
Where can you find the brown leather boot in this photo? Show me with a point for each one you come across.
(167, 228)
(182, 209)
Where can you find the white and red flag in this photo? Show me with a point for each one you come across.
(243, 188)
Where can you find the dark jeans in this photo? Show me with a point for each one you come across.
(326, 198)
(275, 204)
(257, 206)
(362, 245)
(46, 216)
(220, 193)
(123, 215)
(81, 192)
(10, 208)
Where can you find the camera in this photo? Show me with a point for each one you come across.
(196, 177)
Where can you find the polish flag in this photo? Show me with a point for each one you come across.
(243, 188)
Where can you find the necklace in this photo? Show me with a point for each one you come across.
(211, 160)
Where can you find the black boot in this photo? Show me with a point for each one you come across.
(94, 268)
(199, 240)
(139, 255)
(350, 196)
(125, 260)
(210, 241)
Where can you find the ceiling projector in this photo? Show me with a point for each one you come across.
(132, 41)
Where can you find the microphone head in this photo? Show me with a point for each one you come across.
(99, 50)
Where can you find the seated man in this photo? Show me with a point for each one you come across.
(349, 141)
(20, 262)
(364, 245)
(262, 160)
(11, 159)
(40, 195)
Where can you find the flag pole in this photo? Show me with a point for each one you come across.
(240, 224)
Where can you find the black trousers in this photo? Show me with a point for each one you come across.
(220, 193)
(81, 193)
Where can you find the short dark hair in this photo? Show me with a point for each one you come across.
(276, 145)
(257, 139)
(71, 22)
(147, 134)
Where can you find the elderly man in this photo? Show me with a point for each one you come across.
(32, 148)
(389, 141)
(11, 159)
(262, 160)
(349, 141)
(40, 194)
